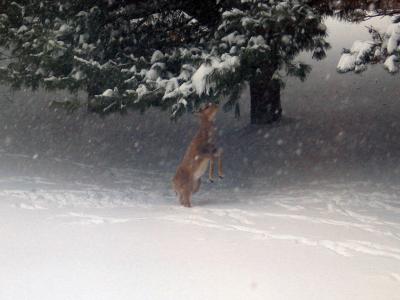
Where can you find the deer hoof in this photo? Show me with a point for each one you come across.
(186, 204)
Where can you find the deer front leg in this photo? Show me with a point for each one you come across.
(211, 152)
(220, 173)
(211, 170)
(196, 185)
(217, 154)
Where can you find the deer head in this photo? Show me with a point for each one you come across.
(209, 112)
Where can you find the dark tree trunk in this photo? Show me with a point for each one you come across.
(92, 90)
(265, 102)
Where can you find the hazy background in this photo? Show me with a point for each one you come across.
(343, 125)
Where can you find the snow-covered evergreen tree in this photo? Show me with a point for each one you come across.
(137, 54)
(384, 47)
(356, 10)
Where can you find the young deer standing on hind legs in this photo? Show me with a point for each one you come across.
(199, 154)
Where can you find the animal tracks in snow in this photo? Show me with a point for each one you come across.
(395, 276)
(324, 215)
(88, 219)
(345, 248)
(329, 217)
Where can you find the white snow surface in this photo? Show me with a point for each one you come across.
(128, 239)
(72, 230)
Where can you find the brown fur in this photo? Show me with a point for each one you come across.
(201, 152)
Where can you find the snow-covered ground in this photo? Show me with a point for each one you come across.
(309, 208)
(119, 234)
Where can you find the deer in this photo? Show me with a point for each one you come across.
(200, 154)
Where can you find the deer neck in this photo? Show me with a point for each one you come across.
(206, 123)
(207, 128)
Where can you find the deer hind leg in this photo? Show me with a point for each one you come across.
(196, 185)
(211, 170)
(220, 173)
(185, 198)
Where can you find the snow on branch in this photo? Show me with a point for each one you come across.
(201, 78)
(90, 63)
(384, 48)
(355, 58)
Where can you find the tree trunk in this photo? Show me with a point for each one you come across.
(92, 90)
(265, 102)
